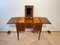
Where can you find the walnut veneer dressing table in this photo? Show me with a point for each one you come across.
(29, 21)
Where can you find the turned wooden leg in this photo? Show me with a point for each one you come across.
(18, 34)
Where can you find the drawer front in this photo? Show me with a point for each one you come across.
(20, 27)
(37, 26)
(28, 25)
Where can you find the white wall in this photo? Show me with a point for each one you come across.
(42, 8)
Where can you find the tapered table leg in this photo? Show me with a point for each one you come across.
(40, 28)
(17, 28)
(18, 34)
(39, 35)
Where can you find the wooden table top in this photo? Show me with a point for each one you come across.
(15, 20)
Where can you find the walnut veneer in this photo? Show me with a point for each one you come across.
(28, 21)
(22, 23)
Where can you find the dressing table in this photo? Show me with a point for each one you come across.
(28, 21)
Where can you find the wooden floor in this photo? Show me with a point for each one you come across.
(28, 38)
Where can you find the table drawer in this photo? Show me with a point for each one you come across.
(28, 25)
(20, 27)
(37, 26)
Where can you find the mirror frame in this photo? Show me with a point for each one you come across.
(28, 6)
